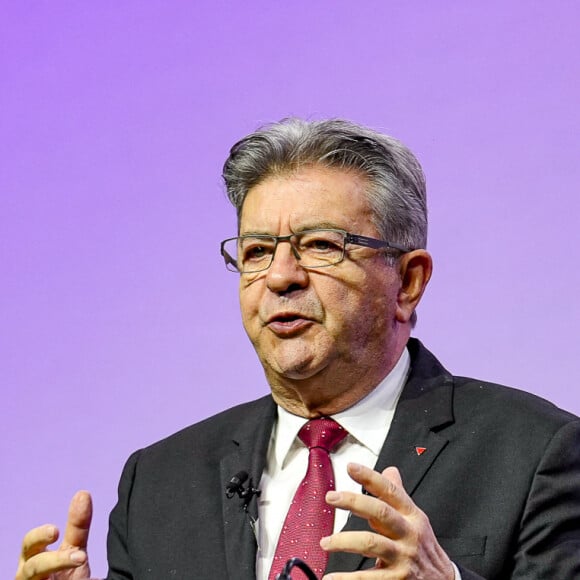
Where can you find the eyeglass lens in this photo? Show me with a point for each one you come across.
(315, 249)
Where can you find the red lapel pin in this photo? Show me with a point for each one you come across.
(420, 450)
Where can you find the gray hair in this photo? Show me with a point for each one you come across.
(396, 192)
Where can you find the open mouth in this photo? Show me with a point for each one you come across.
(287, 318)
(288, 324)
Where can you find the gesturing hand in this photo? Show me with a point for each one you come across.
(404, 544)
(69, 561)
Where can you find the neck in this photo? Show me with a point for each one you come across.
(333, 389)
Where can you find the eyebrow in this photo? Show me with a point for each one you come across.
(320, 226)
(325, 225)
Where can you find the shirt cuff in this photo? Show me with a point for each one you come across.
(456, 571)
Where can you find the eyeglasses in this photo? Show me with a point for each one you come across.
(312, 248)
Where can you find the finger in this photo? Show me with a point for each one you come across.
(384, 487)
(80, 513)
(393, 474)
(364, 543)
(42, 565)
(37, 539)
(382, 517)
(378, 573)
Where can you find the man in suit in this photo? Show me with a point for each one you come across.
(437, 477)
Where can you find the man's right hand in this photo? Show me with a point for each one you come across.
(70, 560)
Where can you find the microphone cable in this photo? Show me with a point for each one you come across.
(295, 563)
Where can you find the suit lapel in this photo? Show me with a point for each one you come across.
(246, 451)
(416, 437)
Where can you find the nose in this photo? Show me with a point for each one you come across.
(285, 274)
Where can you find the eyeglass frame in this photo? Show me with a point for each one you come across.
(356, 239)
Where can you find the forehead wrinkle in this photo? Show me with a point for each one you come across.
(257, 229)
(277, 193)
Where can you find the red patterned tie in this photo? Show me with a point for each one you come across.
(310, 518)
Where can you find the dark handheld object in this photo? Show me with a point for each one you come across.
(298, 563)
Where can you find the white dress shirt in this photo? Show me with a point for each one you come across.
(367, 422)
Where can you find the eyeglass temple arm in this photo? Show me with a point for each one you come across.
(373, 243)
(228, 259)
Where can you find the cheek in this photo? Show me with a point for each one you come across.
(345, 308)
(349, 296)
(249, 302)
(361, 310)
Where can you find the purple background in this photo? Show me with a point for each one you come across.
(118, 322)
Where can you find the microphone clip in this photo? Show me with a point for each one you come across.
(236, 486)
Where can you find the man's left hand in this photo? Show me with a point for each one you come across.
(404, 544)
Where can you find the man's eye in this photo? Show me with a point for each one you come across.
(321, 245)
(256, 252)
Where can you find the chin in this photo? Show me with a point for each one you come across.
(301, 368)
(293, 368)
(296, 359)
(298, 373)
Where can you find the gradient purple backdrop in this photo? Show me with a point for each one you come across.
(118, 322)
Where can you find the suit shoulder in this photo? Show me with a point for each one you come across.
(520, 409)
(217, 429)
(473, 402)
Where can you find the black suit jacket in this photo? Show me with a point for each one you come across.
(499, 480)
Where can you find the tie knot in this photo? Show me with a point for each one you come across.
(323, 432)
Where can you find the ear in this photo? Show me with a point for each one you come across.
(415, 269)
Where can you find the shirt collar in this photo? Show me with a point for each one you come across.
(365, 420)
